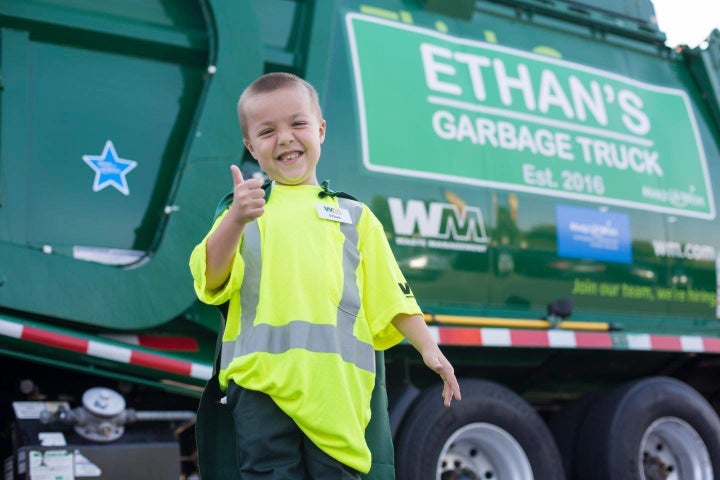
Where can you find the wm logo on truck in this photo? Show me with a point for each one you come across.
(438, 225)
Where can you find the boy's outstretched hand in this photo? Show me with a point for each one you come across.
(248, 198)
(437, 362)
(414, 328)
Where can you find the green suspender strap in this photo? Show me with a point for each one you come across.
(215, 431)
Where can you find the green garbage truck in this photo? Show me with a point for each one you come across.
(546, 171)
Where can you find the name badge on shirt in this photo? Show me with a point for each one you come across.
(335, 214)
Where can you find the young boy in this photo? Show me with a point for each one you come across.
(312, 290)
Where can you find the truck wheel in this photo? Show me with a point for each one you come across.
(565, 427)
(652, 429)
(491, 434)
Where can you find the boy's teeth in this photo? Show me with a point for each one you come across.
(288, 156)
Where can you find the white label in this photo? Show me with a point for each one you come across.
(51, 465)
(52, 439)
(84, 467)
(32, 410)
(335, 214)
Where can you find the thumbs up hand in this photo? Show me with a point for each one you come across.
(248, 198)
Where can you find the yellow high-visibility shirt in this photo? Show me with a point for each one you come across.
(301, 282)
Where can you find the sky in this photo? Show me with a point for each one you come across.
(687, 21)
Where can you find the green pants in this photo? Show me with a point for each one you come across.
(270, 445)
(215, 433)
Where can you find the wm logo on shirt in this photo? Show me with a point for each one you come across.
(405, 289)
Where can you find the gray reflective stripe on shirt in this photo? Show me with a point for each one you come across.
(319, 338)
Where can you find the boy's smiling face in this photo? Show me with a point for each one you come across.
(284, 132)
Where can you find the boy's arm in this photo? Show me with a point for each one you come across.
(414, 328)
(247, 205)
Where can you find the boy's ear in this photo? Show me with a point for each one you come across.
(323, 126)
(249, 146)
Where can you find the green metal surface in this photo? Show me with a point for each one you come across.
(631, 19)
(162, 93)
(704, 65)
(663, 289)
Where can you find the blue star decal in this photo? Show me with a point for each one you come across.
(110, 169)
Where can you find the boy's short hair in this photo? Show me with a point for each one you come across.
(271, 82)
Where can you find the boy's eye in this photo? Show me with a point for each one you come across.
(299, 123)
(263, 133)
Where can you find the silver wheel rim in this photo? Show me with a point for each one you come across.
(483, 451)
(671, 449)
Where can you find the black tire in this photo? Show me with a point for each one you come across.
(565, 427)
(485, 406)
(622, 420)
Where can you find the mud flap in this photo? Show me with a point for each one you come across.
(377, 434)
(215, 436)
